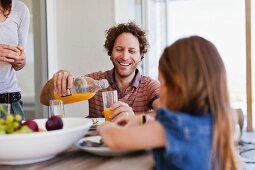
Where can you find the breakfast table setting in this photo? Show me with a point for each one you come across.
(60, 142)
(76, 146)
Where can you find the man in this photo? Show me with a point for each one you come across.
(126, 45)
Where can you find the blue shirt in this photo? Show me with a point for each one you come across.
(188, 144)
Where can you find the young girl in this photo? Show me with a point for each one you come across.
(193, 127)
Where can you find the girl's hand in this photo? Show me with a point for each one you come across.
(107, 125)
(128, 121)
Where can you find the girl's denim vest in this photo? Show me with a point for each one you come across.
(188, 144)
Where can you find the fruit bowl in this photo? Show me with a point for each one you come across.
(40, 146)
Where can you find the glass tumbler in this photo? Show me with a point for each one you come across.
(109, 97)
(57, 108)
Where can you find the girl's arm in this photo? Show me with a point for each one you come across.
(150, 135)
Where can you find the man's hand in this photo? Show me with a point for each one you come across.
(120, 109)
(58, 84)
(62, 80)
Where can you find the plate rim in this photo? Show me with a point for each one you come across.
(102, 151)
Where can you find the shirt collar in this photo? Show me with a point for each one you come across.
(134, 83)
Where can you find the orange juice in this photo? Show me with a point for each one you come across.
(107, 113)
(74, 97)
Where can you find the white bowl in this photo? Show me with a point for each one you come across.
(40, 146)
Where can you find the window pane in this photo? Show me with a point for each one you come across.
(223, 23)
(155, 24)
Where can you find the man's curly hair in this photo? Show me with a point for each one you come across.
(130, 27)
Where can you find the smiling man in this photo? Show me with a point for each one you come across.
(126, 45)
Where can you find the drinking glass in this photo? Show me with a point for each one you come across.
(57, 108)
(4, 107)
(109, 97)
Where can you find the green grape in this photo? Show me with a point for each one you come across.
(9, 122)
(24, 129)
(2, 128)
(9, 118)
(9, 128)
(12, 125)
(16, 125)
(2, 121)
(17, 118)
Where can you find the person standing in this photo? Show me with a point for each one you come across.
(14, 26)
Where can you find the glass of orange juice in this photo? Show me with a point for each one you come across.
(109, 97)
(57, 108)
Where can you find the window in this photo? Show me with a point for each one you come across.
(223, 23)
(154, 21)
(220, 21)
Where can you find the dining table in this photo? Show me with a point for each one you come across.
(77, 159)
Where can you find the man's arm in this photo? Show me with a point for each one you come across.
(155, 104)
(47, 92)
(61, 81)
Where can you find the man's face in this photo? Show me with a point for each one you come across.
(126, 55)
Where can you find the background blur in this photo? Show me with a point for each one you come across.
(69, 35)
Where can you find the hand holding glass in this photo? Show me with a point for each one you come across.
(57, 108)
(109, 97)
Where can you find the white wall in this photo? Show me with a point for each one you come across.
(76, 37)
(80, 34)
(80, 37)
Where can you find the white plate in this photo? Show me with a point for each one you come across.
(99, 150)
(40, 146)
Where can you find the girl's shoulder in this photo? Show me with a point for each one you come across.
(164, 112)
(182, 121)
